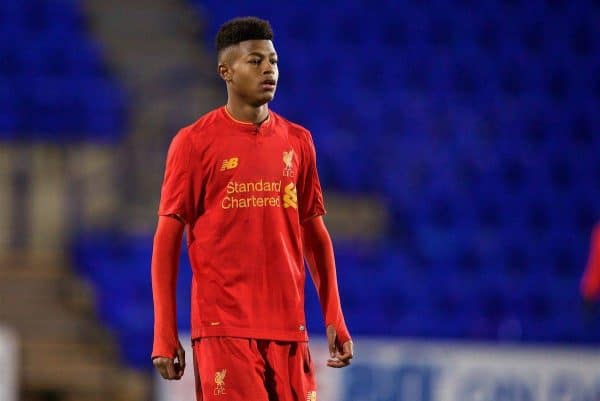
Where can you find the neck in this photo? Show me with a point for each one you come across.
(247, 113)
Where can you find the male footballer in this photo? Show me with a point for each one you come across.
(243, 182)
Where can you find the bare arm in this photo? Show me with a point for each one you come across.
(318, 251)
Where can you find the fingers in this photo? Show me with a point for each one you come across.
(343, 359)
(170, 368)
(347, 352)
(331, 337)
(180, 366)
(334, 363)
(166, 368)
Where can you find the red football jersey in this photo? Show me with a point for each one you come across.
(243, 191)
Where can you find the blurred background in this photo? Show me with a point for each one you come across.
(458, 144)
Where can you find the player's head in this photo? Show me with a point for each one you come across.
(247, 60)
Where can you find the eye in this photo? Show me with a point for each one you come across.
(254, 61)
(274, 61)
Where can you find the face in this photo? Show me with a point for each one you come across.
(250, 70)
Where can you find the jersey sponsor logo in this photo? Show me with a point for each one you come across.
(229, 164)
(242, 195)
(290, 197)
(311, 396)
(220, 382)
(288, 160)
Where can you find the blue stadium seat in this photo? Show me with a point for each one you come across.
(46, 48)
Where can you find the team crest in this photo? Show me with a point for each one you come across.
(220, 382)
(311, 396)
(288, 161)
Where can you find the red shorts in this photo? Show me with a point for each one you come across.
(243, 369)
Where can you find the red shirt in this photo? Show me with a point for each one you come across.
(243, 192)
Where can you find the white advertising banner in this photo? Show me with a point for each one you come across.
(400, 370)
(9, 365)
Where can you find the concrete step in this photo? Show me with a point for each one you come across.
(84, 380)
(60, 350)
(27, 264)
(144, 19)
(51, 372)
(31, 288)
(22, 294)
(55, 327)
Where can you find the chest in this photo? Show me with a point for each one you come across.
(253, 158)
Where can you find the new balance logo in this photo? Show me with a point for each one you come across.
(229, 164)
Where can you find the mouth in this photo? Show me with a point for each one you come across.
(268, 84)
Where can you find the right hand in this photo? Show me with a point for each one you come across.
(171, 368)
(341, 354)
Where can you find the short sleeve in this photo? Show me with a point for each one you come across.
(177, 194)
(310, 196)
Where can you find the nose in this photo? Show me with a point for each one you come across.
(269, 68)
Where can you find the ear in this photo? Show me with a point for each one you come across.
(224, 72)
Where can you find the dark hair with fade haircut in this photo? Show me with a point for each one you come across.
(241, 29)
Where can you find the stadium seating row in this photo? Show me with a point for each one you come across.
(54, 84)
(384, 293)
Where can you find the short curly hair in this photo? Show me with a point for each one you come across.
(240, 29)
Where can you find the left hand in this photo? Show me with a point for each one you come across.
(340, 356)
(171, 368)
